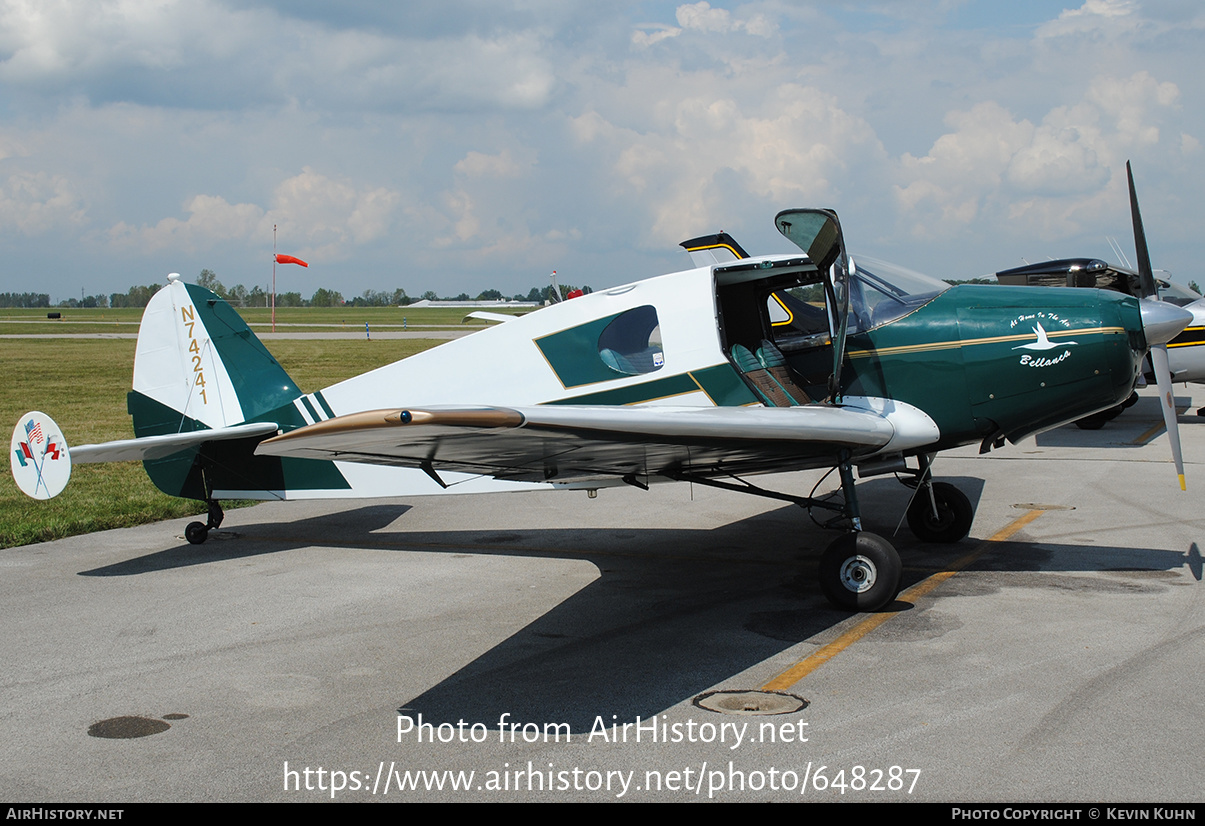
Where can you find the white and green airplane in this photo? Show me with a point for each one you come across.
(738, 367)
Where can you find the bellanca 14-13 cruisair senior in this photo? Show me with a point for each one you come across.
(1185, 352)
(740, 366)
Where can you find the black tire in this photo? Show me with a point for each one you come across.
(1094, 422)
(196, 532)
(860, 572)
(1098, 420)
(954, 514)
(1131, 401)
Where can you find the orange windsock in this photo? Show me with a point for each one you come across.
(289, 259)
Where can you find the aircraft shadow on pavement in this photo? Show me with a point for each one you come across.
(660, 627)
(248, 541)
(1124, 431)
(674, 611)
(646, 636)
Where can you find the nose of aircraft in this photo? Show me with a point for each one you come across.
(1161, 321)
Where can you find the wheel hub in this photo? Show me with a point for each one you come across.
(943, 519)
(858, 574)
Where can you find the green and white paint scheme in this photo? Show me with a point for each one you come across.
(737, 367)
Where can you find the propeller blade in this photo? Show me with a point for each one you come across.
(1146, 275)
(1163, 373)
(1163, 376)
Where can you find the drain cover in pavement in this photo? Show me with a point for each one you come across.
(750, 702)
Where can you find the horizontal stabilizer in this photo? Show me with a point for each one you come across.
(157, 447)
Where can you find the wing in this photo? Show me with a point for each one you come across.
(485, 315)
(581, 444)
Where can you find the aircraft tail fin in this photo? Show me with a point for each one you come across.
(720, 248)
(198, 366)
(206, 393)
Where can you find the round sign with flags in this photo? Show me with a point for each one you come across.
(39, 457)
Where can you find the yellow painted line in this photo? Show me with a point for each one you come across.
(1148, 435)
(1155, 430)
(810, 663)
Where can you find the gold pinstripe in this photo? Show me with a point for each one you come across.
(957, 344)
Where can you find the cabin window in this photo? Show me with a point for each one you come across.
(631, 344)
(798, 317)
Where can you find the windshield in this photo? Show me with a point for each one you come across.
(882, 292)
(1177, 294)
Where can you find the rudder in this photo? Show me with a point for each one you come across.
(198, 365)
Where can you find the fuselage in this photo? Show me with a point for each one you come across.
(969, 363)
(966, 357)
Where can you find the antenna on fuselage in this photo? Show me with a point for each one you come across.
(1121, 256)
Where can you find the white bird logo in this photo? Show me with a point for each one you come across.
(1043, 342)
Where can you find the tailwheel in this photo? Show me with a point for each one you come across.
(860, 572)
(196, 532)
(953, 518)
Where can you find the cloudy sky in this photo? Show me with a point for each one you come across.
(470, 144)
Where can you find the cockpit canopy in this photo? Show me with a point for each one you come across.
(881, 292)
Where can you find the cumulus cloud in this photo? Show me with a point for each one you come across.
(1094, 16)
(500, 136)
(210, 219)
(205, 54)
(1133, 104)
(478, 165)
(653, 33)
(702, 17)
(323, 214)
(793, 144)
(36, 202)
(993, 160)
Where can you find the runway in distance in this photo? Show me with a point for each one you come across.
(737, 367)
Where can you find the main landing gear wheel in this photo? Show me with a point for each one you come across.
(1098, 420)
(953, 519)
(860, 572)
(196, 532)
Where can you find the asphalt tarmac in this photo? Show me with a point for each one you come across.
(479, 648)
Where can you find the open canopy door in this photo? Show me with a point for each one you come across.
(818, 233)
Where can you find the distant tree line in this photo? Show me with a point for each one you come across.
(537, 294)
(24, 300)
(240, 296)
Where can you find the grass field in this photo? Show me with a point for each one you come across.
(82, 385)
(288, 319)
